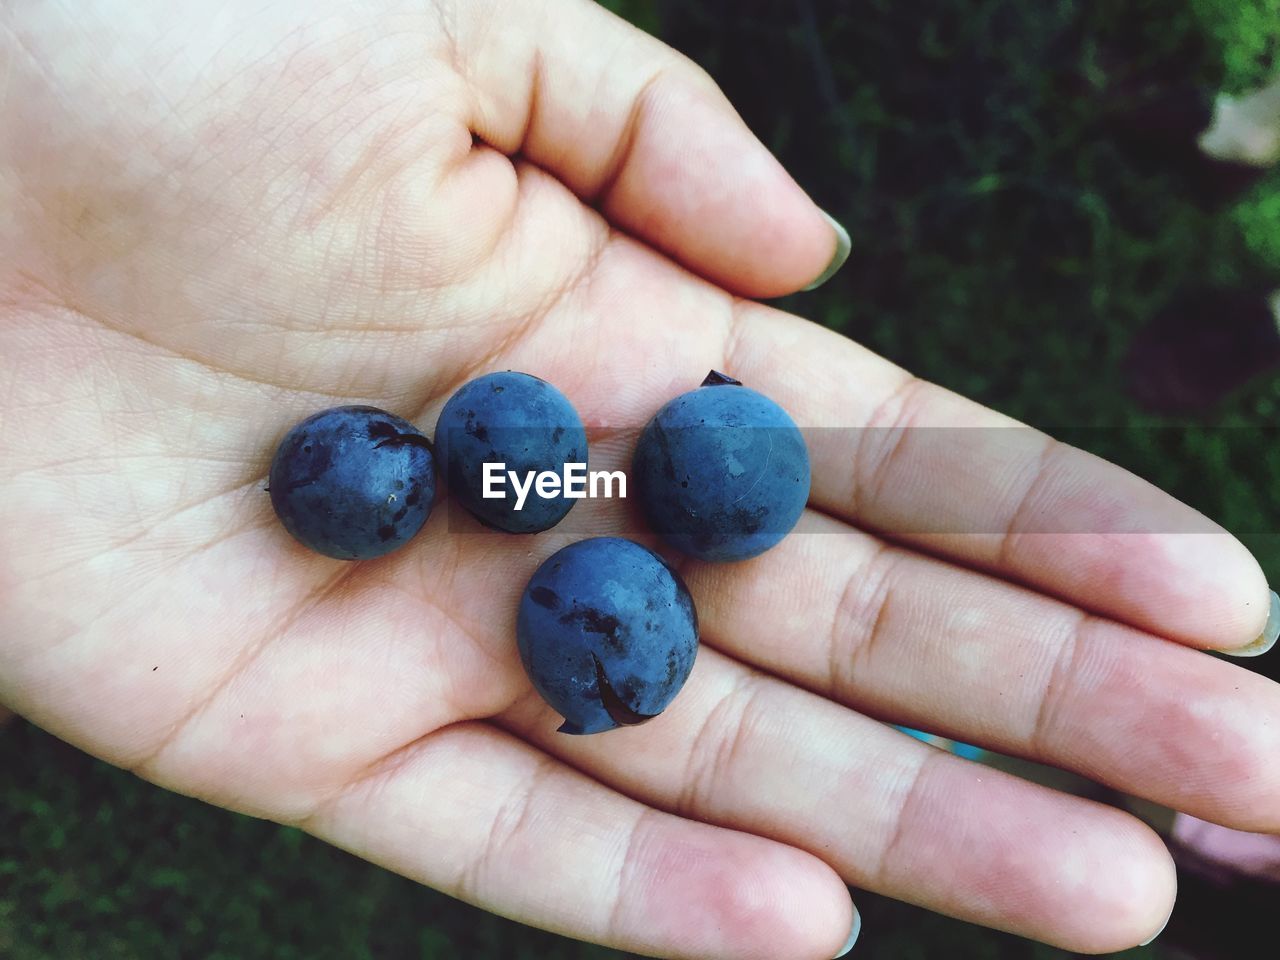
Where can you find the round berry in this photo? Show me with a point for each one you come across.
(721, 472)
(608, 634)
(353, 482)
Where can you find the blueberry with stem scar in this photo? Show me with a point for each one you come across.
(608, 634)
(721, 472)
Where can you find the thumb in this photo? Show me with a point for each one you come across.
(641, 132)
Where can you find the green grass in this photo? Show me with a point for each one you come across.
(1004, 246)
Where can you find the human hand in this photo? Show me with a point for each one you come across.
(221, 225)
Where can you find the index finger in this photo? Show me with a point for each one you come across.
(927, 467)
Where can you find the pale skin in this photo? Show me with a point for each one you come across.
(222, 219)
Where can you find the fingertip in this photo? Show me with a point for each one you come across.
(1161, 889)
(1151, 939)
(699, 185)
(1266, 639)
(855, 930)
(1134, 897)
(1202, 589)
(843, 246)
(746, 897)
(1221, 598)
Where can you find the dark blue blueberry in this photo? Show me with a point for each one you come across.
(721, 472)
(353, 482)
(607, 633)
(518, 420)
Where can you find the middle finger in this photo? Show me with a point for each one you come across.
(922, 642)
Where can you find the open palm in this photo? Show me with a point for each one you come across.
(225, 218)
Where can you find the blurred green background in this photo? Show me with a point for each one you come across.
(1005, 245)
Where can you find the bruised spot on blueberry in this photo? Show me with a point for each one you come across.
(385, 533)
(593, 621)
(750, 521)
(405, 440)
(544, 597)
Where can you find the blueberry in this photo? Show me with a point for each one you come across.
(514, 419)
(353, 482)
(721, 472)
(607, 633)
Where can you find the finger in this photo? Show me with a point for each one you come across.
(926, 644)
(746, 750)
(485, 818)
(928, 468)
(939, 471)
(635, 128)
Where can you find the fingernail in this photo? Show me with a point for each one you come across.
(853, 935)
(1269, 633)
(1158, 932)
(843, 246)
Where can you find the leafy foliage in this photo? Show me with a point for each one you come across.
(1249, 33)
